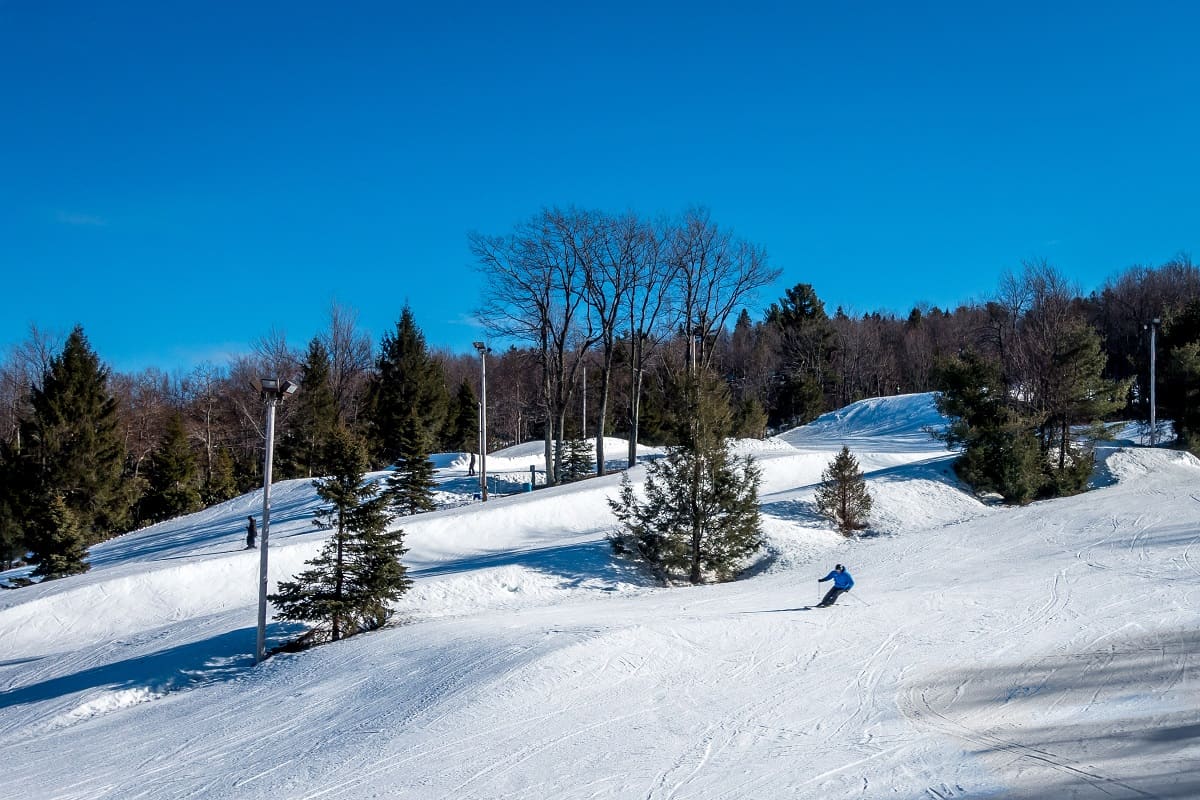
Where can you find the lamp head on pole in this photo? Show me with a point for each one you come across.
(274, 389)
(481, 347)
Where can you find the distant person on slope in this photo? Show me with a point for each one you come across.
(842, 582)
(251, 533)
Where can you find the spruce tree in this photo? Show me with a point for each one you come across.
(577, 461)
(699, 515)
(56, 540)
(408, 380)
(461, 433)
(222, 482)
(411, 484)
(313, 419)
(842, 495)
(72, 443)
(1000, 451)
(13, 501)
(1074, 390)
(174, 481)
(349, 584)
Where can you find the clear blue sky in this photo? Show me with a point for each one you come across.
(181, 176)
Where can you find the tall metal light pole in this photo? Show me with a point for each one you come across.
(483, 351)
(1153, 326)
(273, 391)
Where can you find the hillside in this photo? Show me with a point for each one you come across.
(1046, 651)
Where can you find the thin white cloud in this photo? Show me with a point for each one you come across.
(87, 220)
(468, 320)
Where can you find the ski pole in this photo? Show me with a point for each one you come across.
(859, 599)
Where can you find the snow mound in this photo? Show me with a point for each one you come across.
(1130, 464)
(884, 424)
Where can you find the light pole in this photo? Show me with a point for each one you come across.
(273, 391)
(1153, 326)
(483, 351)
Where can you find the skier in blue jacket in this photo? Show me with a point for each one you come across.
(842, 582)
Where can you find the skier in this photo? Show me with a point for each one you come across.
(251, 533)
(841, 583)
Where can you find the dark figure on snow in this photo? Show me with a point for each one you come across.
(841, 583)
(251, 533)
(471, 468)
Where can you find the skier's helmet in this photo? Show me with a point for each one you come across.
(840, 568)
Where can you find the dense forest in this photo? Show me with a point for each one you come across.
(595, 321)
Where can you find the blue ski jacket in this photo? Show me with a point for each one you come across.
(841, 580)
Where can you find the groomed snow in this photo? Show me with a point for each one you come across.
(1046, 651)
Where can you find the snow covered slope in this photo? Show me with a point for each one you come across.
(1048, 651)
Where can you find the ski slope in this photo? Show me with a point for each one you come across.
(1045, 651)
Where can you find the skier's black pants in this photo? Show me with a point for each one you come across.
(832, 595)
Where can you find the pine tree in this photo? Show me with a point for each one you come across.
(699, 515)
(349, 584)
(842, 495)
(174, 482)
(314, 417)
(72, 442)
(461, 433)
(1075, 391)
(57, 541)
(411, 484)
(1000, 451)
(222, 483)
(577, 461)
(408, 380)
(13, 518)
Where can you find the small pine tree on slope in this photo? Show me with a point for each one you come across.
(577, 460)
(57, 540)
(700, 513)
(842, 495)
(348, 585)
(411, 484)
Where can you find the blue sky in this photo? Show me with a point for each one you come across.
(180, 177)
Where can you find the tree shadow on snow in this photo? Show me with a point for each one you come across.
(189, 540)
(1120, 721)
(574, 565)
(212, 660)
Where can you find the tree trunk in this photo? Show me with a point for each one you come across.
(605, 379)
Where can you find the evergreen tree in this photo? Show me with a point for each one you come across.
(72, 442)
(461, 433)
(411, 484)
(313, 419)
(174, 483)
(1073, 391)
(56, 540)
(577, 461)
(804, 336)
(222, 482)
(12, 503)
(700, 512)
(842, 495)
(1178, 379)
(749, 419)
(348, 585)
(1000, 451)
(408, 380)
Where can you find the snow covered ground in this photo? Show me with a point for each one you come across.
(1047, 651)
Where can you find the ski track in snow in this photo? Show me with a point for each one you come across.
(1046, 651)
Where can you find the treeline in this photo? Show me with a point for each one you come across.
(604, 318)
